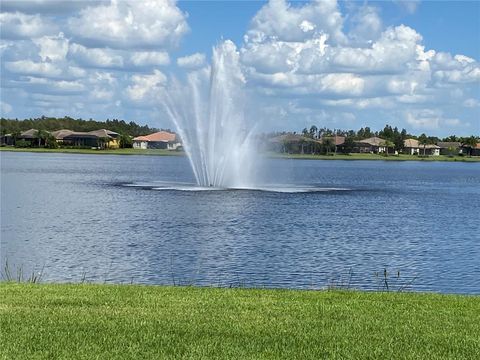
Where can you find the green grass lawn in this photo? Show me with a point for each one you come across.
(273, 155)
(401, 157)
(152, 322)
(130, 151)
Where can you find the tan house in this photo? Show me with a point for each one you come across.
(413, 147)
(449, 147)
(158, 140)
(99, 139)
(59, 135)
(370, 145)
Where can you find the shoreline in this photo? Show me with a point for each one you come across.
(158, 152)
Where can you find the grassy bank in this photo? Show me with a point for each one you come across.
(272, 155)
(130, 151)
(149, 322)
(376, 157)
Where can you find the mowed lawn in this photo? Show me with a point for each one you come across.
(160, 152)
(152, 322)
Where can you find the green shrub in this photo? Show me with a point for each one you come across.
(22, 143)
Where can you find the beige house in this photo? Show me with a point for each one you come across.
(371, 145)
(413, 147)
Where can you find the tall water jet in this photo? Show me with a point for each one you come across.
(208, 112)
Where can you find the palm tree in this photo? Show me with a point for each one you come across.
(42, 135)
(423, 140)
(387, 144)
(328, 143)
(470, 142)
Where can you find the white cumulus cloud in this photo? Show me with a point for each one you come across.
(52, 48)
(95, 57)
(17, 25)
(193, 61)
(145, 87)
(130, 24)
(28, 67)
(150, 58)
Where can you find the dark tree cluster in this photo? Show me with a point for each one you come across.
(391, 134)
(12, 126)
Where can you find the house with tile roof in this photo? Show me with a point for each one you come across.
(159, 140)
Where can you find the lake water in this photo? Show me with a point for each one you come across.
(80, 219)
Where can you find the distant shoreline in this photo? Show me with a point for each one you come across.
(160, 152)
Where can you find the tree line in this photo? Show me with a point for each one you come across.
(392, 135)
(132, 129)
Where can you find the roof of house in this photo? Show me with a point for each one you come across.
(430, 146)
(373, 141)
(411, 143)
(448, 144)
(338, 140)
(60, 134)
(161, 136)
(476, 146)
(289, 137)
(102, 133)
(29, 134)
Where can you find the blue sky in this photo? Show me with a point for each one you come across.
(344, 64)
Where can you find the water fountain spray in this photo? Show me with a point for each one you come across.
(208, 112)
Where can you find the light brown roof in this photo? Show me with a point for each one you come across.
(29, 134)
(291, 138)
(374, 141)
(448, 144)
(60, 134)
(161, 136)
(411, 143)
(338, 140)
(103, 133)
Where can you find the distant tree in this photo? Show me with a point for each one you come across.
(470, 142)
(451, 138)
(423, 140)
(387, 132)
(51, 142)
(387, 144)
(349, 144)
(126, 141)
(42, 137)
(328, 144)
(9, 126)
(313, 131)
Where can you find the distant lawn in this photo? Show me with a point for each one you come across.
(129, 151)
(271, 154)
(392, 157)
(152, 322)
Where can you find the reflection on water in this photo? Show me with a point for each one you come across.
(105, 217)
(276, 188)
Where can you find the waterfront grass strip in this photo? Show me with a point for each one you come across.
(149, 322)
(161, 152)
